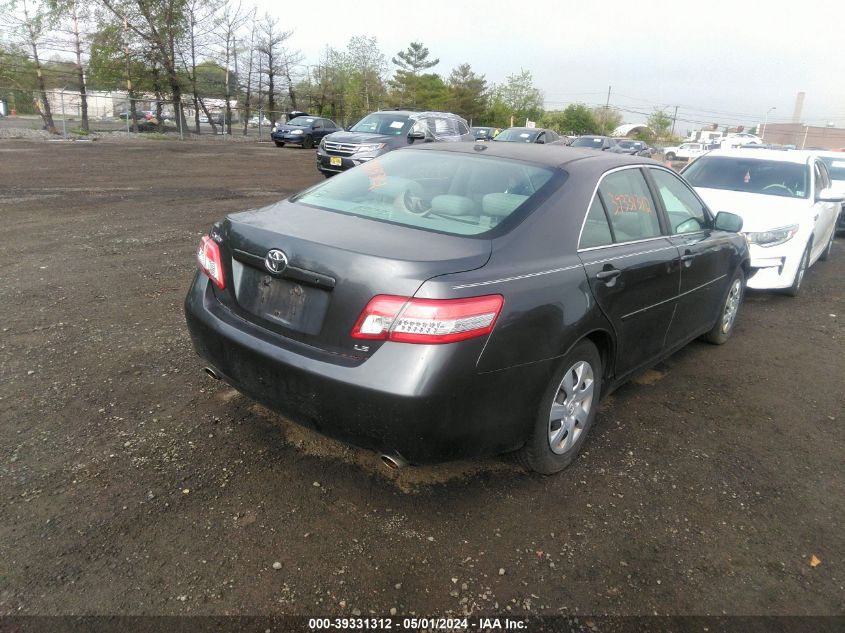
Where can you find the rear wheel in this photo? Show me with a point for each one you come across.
(567, 411)
(308, 142)
(279, 144)
(724, 326)
(795, 288)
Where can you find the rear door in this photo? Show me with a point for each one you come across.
(705, 254)
(631, 265)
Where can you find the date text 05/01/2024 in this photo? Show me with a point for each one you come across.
(450, 624)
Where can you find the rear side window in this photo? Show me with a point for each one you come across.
(629, 205)
(686, 213)
(596, 229)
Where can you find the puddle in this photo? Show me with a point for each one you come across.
(648, 377)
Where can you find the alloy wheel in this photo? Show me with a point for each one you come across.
(731, 306)
(571, 407)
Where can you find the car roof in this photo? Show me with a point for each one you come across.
(555, 156)
(782, 156)
(525, 129)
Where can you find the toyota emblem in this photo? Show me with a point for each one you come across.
(276, 261)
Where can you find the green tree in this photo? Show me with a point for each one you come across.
(660, 123)
(467, 93)
(366, 67)
(608, 119)
(521, 97)
(575, 119)
(411, 62)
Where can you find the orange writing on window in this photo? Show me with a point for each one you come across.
(629, 203)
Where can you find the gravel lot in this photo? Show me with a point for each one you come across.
(130, 483)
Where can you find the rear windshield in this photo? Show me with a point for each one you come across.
(517, 136)
(836, 166)
(768, 177)
(381, 123)
(438, 191)
(587, 141)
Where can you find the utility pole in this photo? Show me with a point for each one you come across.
(606, 108)
(674, 118)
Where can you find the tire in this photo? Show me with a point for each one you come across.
(279, 144)
(795, 288)
(824, 256)
(308, 142)
(724, 326)
(578, 374)
(670, 156)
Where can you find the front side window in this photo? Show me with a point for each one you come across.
(438, 191)
(685, 211)
(835, 166)
(629, 205)
(749, 175)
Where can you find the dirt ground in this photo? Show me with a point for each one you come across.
(131, 483)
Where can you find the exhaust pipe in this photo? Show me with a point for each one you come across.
(212, 372)
(393, 462)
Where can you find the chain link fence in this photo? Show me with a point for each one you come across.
(116, 114)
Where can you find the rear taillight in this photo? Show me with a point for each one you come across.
(408, 320)
(208, 257)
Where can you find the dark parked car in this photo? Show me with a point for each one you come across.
(303, 130)
(459, 299)
(633, 148)
(484, 133)
(529, 135)
(603, 143)
(384, 131)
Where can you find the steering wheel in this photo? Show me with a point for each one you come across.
(778, 186)
(415, 203)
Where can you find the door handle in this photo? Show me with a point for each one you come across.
(815, 219)
(604, 275)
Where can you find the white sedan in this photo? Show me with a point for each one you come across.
(787, 205)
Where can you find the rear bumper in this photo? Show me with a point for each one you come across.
(426, 402)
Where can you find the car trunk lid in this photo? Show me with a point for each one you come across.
(334, 264)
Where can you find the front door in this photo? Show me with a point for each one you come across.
(705, 255)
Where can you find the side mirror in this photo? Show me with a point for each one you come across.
(830, 195)
(416, 134)
(728, 222)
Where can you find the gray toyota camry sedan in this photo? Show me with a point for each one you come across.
(457, 300)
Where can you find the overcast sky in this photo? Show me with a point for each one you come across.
(720, 61)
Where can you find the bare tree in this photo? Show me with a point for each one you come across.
(248, 83)
(158, 22)
(30, 20)
(271, 47)
(231, 19)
